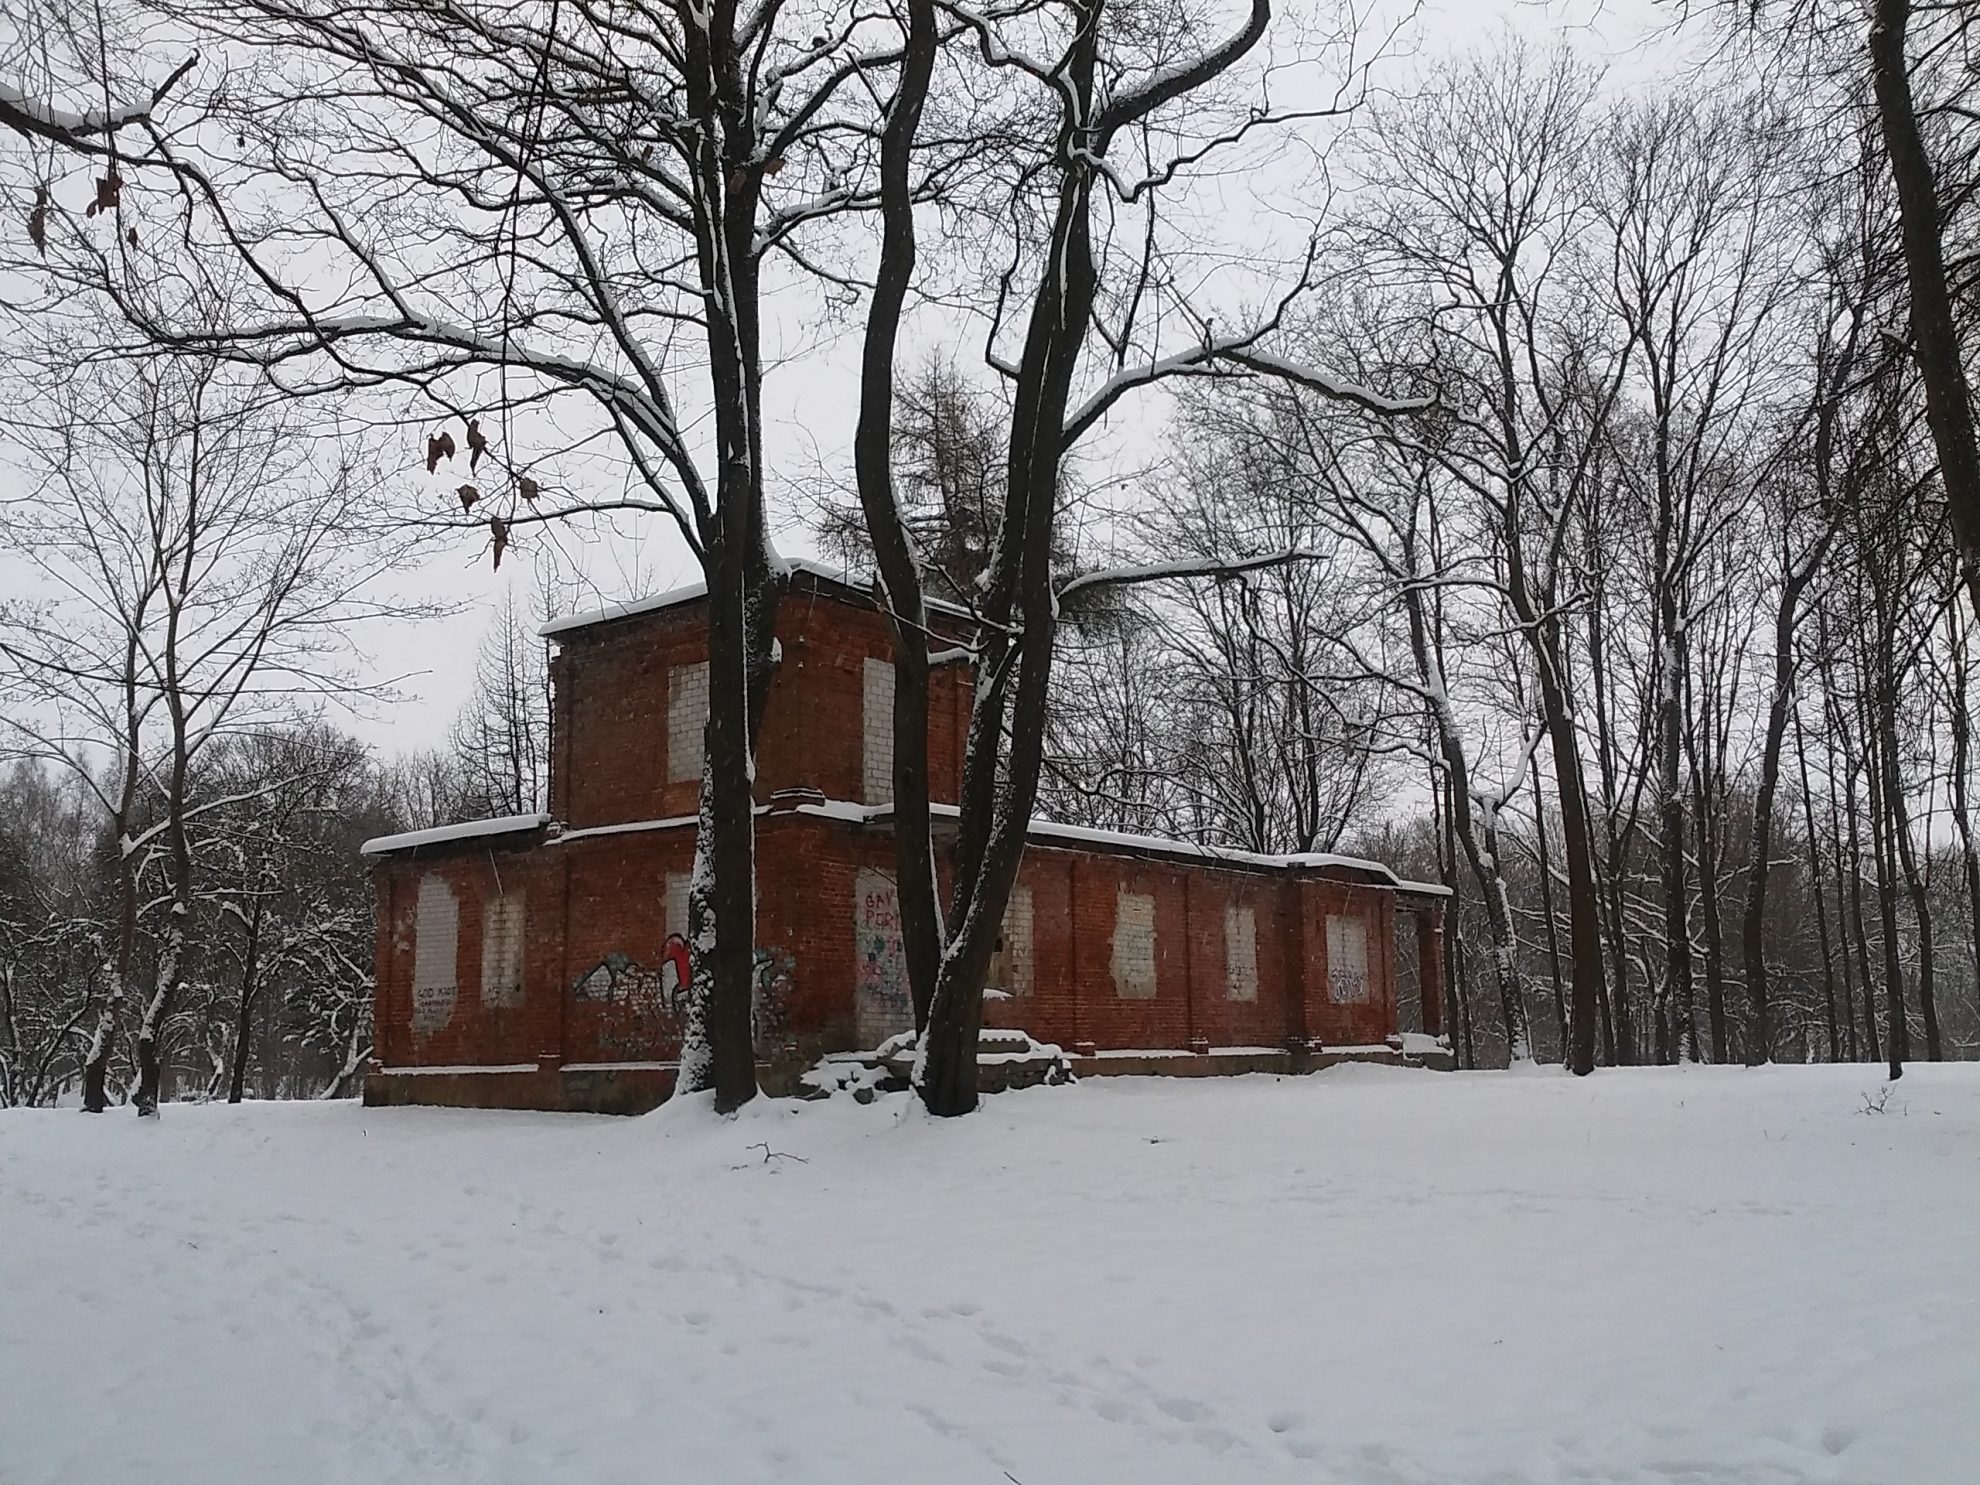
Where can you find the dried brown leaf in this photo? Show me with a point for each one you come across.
(109, 192)
(438, 446)
(527, 488)
(468, 495)
(498, 530)
(477, 442)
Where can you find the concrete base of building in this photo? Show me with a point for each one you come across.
(636, 1087)
(633, 1088)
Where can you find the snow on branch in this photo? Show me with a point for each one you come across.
(38, 118)
(1267, 364)
(1184, 77)
(1155, 572)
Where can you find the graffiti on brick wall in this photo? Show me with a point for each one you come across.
(1347, 959)
(770, 1000)
(646, 1005)
(620, 980)
(881, 1004)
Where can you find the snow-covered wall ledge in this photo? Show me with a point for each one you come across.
(385, 845)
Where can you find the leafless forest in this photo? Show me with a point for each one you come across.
(1557, 481)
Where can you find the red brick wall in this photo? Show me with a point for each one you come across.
(1075, 999)
(475, 1034)
(596, 896)
(610, 710)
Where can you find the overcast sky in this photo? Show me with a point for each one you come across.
(810, 404)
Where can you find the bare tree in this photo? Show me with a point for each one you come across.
(204, 575)
(501, 739)
(1481, 217)
(537, 222)
(1126, 109)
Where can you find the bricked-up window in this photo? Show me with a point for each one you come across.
(1134, 946)
(1010, 966)
(677, 902)
(1240, 952)
(436, 955)
(502, 951)
(877, 729)
(687, 720)
(1347, 958)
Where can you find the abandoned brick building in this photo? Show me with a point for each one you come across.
(537, 961)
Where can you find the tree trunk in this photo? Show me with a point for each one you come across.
(1584, 905)
(917, 888)
(1617, 1044)
(171, 957)
(244, 1006)
(1897, 1032)
(1547, 913)
(1709, 799)
(1821, 911)
(995, 813)
(1759, 1029)
(719, 1045)
(1935, 342)
(1969, 854)
(1679, 994)
(1906, 860)
(96, 1065)
(1474, 822)
(1861, 931)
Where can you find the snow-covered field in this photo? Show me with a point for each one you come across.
(1364, 1276)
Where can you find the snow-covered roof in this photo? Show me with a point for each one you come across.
(1052, 830)
(384, 845)
(848, 812)
(830, 572)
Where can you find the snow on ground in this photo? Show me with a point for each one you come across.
(1370, 1275)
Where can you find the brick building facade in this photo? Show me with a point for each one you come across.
(539, 962)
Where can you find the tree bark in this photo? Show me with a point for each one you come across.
(1906, 859)
(1935, 342)
(1962, 762)
(1857, 923)
(244, 1005)
(1479, 836)
(1821, 910)
(1547, 913)
(996, 812)
(916, 886)
(744, 589)
(1897, 1031)
(1679, 995)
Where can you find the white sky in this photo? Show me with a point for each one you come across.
(810, 406)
